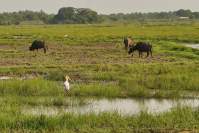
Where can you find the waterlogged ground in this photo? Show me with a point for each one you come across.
(110, 90)
(125, 107)
(195, 46)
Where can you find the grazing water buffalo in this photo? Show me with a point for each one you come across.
(128, 43)
(141, 47)
(37, 44)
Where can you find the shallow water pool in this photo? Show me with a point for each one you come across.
(121, 106)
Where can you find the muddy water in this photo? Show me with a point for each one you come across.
(122, 106)
(5, 77)
(195, 46)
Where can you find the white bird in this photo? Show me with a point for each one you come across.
(66, 84)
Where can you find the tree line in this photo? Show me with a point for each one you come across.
(71, 15)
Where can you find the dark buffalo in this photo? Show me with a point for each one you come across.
(37, 44)
(141, 47)
(128, 42)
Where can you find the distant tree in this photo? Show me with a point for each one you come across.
(183, 13)
(44, 17)
(18, 17)
(196, 15)
(65, 15)
(85, 15)
(73, 15)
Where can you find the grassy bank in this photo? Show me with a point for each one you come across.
(178, 119)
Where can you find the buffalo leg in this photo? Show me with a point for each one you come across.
(151, 53)
(147, 54)
(44, 50)
(132, 54)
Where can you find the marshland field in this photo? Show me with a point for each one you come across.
(32, 97)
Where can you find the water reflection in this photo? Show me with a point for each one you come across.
(195, 46)
(122, 106)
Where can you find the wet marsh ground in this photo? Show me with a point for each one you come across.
(109, 69)
(94, 57)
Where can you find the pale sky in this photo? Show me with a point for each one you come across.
(101, 6)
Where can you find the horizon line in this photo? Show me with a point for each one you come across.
(1, 12)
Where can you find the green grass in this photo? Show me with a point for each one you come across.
(171, 80)
(175, 120)
(84, 34)
(46, 101)
(94, 57)
(37, 87)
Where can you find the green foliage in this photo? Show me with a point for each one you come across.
(21, 16)
(71, 15)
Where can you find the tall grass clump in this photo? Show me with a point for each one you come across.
(55, 75)
(131, 88)
(177, 119)
(100, 90)
(33, 87)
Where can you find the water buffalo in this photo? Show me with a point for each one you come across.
(128, 42)
(37, 44)
(141, 47)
